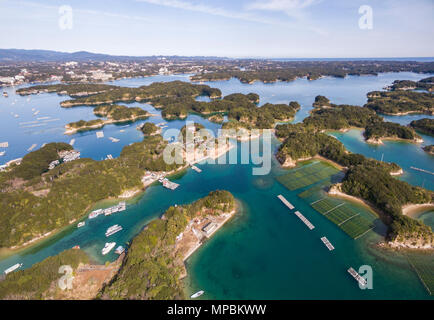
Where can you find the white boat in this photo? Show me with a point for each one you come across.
(81, 224)
(95, 213)
(2, 153)
(197, 294)
(112, 230)
(108, 247)
(119, 250)
(13, 268)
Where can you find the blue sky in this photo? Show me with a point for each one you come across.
(233, 28)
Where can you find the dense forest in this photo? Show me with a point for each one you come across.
(425, 126)
(380, 130)
(312, 70)
(400, 102)
(152, 267)
(34, 282)
(35, 201)
(366, 178)
(73, 90)
(424, 84)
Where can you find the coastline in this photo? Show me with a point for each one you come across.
(414, 210)
(125, 195)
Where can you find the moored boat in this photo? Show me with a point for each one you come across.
(112, 230)
(81, 224)
(13, 268)
(108, 247)
(197, 294)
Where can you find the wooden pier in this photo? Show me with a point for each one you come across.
(286, 202)
(327, 243)
(303, 218)
(422, 170)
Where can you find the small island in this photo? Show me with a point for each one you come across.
(425, 126)
(429, 149)
(113, 113)
(398, 103)
(181, 231)
(424, 84)
(366, 179)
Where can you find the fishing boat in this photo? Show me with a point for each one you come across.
(108, 247)
(13, 268)
(95, 213)
(197, 294)
(112, 230)
(81, 224)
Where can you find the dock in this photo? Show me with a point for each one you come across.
(196, 169)
(286, 202)
(109, 157)
(303, 218)
(422, 170)
(358, 277)
(100, 134)
(327, 243)
(4, 144)
(33, 146)
(168, 184)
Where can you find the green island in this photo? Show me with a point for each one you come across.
(150, 129)
(400, 102)
(365, 178)
(35, 283)
(312, 70)
(73, 90)
(37, 201)
(423, 84)
(425, 126)
(153, 267)
(375, 132)
(429, 149)
(329, 116)
(176, 100)
(114, 114)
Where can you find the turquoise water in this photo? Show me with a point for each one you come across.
(264, 252)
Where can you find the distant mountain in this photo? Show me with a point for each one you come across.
(57, 56)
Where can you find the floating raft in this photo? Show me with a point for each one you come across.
(4, 144)
(100, 134)
(358, 277)
(196, 169)
(327, 243)
(286, 202)
(303, 218)
(422, 170)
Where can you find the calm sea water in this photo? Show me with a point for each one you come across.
(264, 252)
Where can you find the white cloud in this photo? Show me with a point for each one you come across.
(290, 7)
